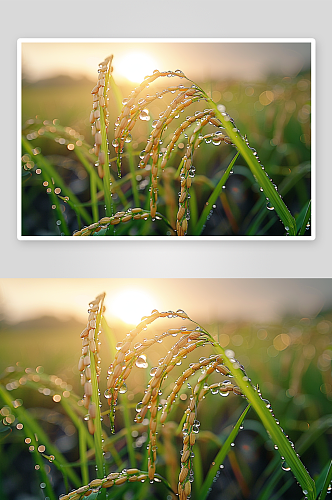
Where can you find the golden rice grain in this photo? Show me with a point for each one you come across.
(121, 480)
(95, 482)
(183, 474)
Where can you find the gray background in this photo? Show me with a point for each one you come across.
(170, 258)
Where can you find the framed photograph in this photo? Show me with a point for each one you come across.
(158, 138)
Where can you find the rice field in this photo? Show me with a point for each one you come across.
(239, 163)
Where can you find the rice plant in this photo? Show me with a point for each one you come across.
(140, 457)
(154, 197)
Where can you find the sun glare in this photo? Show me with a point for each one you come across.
(135, 66)
(130, 305)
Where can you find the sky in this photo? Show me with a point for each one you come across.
(134, 60)
(202, 299)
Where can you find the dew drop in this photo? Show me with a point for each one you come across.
(144, 115)
(107, 394)
(123, 389)
(224, 394)
(139, 406)
(141, 361)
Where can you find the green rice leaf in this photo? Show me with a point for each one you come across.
(204, 491)
(324, 480)
(271, 426)
(261, 176)
(303, 218)
(213, 198)
(262, 408)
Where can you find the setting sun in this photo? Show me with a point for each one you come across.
(130, 305)
(135, 66)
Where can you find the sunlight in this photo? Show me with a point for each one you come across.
(135, 66)
(130, 305)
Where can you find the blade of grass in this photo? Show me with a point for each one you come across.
(42, 162)
(271, 426)
(213, 198)
(251, 159)
(94, 201)
(133, 175)
(304, 216)
(95, 182)
(260, 174)
(84, 438)
(326, 488)
(45, 484)
(285, 449)
(198, 471)
(25, 417)
(129, 438)
(284, 187)
(193, 208)
(57, 213)
(316, 429)
(282, 490)
(204, 491)
(109, 336)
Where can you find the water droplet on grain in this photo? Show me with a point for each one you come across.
(123, 389)
(107, 394)
(141, 361)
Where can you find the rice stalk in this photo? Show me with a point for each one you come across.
(89, 366)
(97, 486)
(99, 126)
